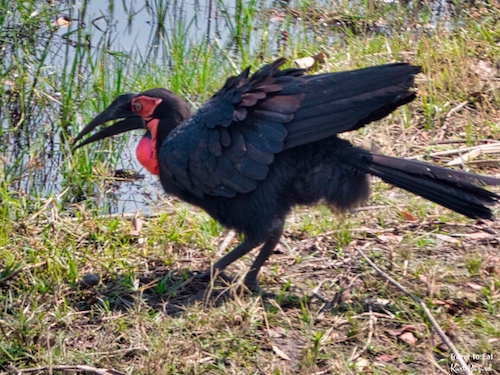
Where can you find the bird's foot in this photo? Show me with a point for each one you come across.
(253, 285)
(211, 274)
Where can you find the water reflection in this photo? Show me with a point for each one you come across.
(146, 28)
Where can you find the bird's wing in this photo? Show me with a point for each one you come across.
(343, 101)
(227, 146)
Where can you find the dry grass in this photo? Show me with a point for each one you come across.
(327, 311)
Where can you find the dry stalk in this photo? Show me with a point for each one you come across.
(427, 312)
(65, 368)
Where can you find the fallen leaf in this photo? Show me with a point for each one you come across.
(411, 328)
(389, 238)
(277, 16)
(280, 353)
(438, 302)
(443, 347)
(347, 296)
(305, 62)
(382, 302)
(479, 236)
(423, 278)
(474, 286)
(276, 332)
(408, 216)
(321, 57)
(361, 363)
(62, 21)
(138, 224)
(409, 338)
(386, 357)
(446, 238)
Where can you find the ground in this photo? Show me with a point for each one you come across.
(325, 309)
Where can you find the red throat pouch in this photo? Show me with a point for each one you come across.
(146, 154)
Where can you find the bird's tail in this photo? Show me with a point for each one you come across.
(459, 191)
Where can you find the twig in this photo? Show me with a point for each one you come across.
(368, 208)
(225, 243)
(447, 142)
(65, 368)
(433, 321)
(489, 148)
(47, 203)
(130, 215)
(456, 108)
(354, 355)
(6, 278)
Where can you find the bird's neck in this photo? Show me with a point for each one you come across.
(149, 146)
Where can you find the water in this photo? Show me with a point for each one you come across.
(144, 28)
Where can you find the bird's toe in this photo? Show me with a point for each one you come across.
(253, 285)
(211, 274)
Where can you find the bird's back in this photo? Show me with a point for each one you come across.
(230, 144)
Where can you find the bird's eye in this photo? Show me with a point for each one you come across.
(136, 106)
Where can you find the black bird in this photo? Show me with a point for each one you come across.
(267, 142)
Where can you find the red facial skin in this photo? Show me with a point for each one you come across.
(146, 154)
(146, 151)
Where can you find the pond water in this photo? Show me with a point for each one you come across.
(145, 28)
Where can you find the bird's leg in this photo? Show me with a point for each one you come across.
(243, 248)
(273, 238)
(246, 246)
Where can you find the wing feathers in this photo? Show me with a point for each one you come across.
(339, 102)
(227, 146)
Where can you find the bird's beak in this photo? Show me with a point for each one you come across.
(119, 109)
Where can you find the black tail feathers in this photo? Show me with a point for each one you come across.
(456, 190)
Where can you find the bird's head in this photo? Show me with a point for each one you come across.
(157, 110)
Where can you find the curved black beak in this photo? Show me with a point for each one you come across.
(119, 108)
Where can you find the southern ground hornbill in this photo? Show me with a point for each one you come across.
(268, 141)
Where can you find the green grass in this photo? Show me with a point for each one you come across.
(329, 312)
